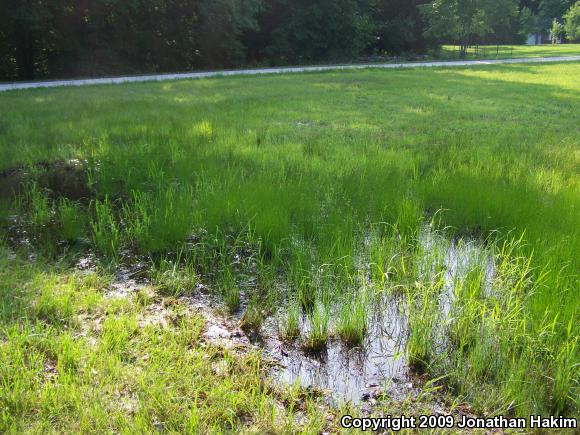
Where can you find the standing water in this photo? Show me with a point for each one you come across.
(379, 367)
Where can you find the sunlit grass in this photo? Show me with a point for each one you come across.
(73, 360)
(289, 325)
(513, 51)
(352, 322)
(318, 327)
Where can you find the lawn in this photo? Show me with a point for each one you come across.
(306, 197)
(512, 51)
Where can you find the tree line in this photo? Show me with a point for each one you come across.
(61, 38)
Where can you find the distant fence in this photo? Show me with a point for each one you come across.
(480, 51)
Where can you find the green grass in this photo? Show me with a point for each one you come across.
(321, 178)
(512, 51)
(73, 360)
(352, 323)
(174, 277)
(230, 290)
(318, 328)
(289, 324)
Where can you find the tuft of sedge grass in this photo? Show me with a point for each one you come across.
(352, 323)
(106, 231)
(253, 317)
(422, 318)
(289, 324)
(72, 220)
(157, 220)
(172, 278)
(40, 208)
(307, 293)
(318, 328)
(229, 290)
(263, 300)
(382, 250)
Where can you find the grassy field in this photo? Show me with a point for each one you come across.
(318, 193)
(512, 51)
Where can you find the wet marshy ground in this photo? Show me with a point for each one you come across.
(377, 367)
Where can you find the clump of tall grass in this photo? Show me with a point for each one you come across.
(423, 316)
(566, 373)
(72, 220)
(157, 220)
(306, 293)
(352, 322)
(172, 278)
(318, 327)
(262, 301)
(253, 318)
(466, 316)
(39, 208)
(229, 289)
(289, 324)
(382, 255)
(408, 220)
(106, 232)
(266, 280)
(51, 221)
(392, 252)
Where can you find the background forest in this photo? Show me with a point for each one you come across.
(64, 38)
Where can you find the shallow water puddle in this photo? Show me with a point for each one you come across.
(457, 257)
(352, 374)
(380, 367)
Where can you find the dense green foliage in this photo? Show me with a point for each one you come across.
(68, 38)
(59, 38)
(556, 31)
(466, 20)
(324, 182)
(572, 22)
(538, 15)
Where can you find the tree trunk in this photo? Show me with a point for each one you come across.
(25, 56)
(24, 40)
(464, 47)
